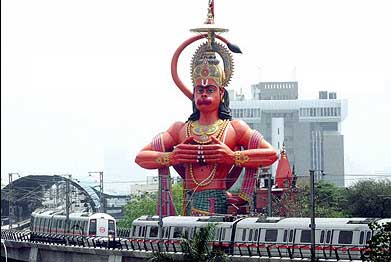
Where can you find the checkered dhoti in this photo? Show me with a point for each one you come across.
(201, 202)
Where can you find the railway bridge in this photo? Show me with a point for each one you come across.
(28, 193)
(23, 246)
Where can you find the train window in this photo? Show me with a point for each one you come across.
(153, 232)
(92, 227)
(369, 235)
(139, 231)
(111, 228)
(85, 227)
(40, 224)
(291, 235)
(217, 234)
(256, 235)
(244, 235)
(133, 231)
(177, 232)
(321, 236)
(328, 236)
(56, 222)
(305, 236)
(81, 227)
(223, 234)
(271, 235)
(50, 225)
(144, 231)
(32, 223)
(72, 227)
(191, 233)
(166, 232)
(250, 235)
(345, 237)
(361, 237)
(285, 235)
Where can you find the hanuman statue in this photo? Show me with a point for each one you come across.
(210, 149)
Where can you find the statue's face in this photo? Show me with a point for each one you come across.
(207, 95)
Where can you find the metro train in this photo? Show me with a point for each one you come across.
(80, 224)
(335, 238)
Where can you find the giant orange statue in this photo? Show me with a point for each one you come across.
(210, 148)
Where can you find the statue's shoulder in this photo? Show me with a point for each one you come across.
(177, 126)
(239, 125)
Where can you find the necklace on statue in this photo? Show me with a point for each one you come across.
(204, 132)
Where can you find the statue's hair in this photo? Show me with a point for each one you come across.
(224, 110)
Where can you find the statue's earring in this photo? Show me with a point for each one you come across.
(222, 99)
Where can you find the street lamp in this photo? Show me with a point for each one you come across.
(10, 200)
(101, 209)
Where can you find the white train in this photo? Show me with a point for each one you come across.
(335, 238)
(80, 224)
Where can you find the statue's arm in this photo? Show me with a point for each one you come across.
(261, 154)
(152, 159)
(175, 151)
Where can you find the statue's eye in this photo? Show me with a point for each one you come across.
(211, 90)
(200, 90)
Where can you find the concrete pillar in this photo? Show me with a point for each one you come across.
(115, 258)
(33, 257)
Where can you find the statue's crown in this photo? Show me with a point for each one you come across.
(206, 66)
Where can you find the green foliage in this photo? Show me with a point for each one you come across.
(369, 198)
(146, 205)
(197, 249)
(177, 194)
(328, 201)
(380, 244)
(139, 206)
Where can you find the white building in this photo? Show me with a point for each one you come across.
(310, 129)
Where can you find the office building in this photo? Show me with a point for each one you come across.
(310, 129)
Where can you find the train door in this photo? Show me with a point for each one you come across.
(153, 236)
(253, 241)
(267, 241)
(303, 238)
(344, 238)
(287, 249)
(102, 226)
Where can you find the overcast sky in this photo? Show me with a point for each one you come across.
(86, 84)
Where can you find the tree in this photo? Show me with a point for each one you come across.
(177, 194)
(328, 201)
(146, 205)
(196, 249)
(379, 249)
(369, 198)
(139, 206)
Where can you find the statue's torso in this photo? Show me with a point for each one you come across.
(201, 177)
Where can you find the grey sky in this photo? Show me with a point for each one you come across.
(86, 84)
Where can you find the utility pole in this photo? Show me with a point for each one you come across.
(312, 212)
(102, 202)
(160, 206)
(269, 194)
(67, 203)
(10, 199)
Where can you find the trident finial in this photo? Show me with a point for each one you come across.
(211, 13)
